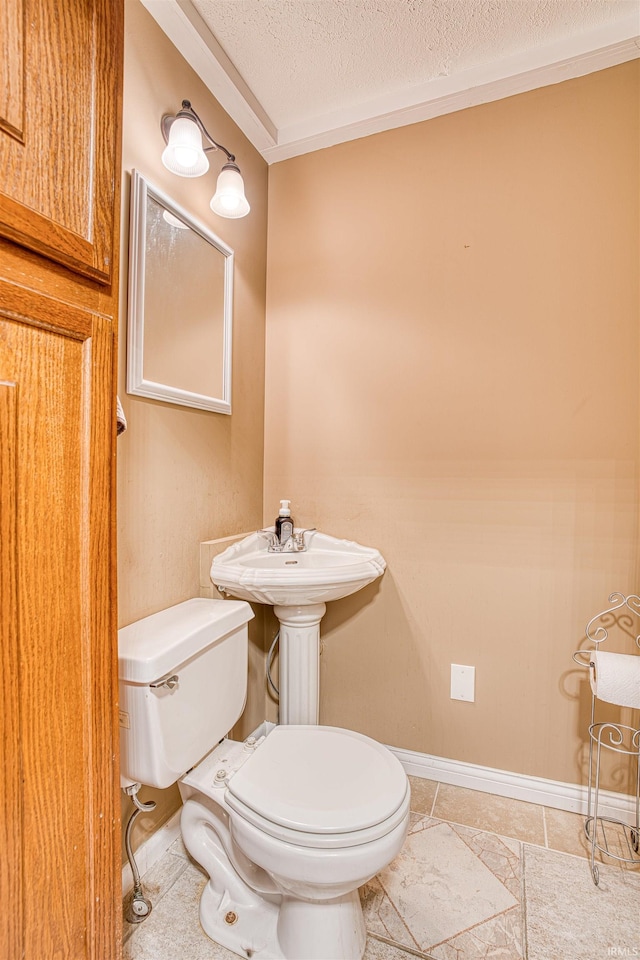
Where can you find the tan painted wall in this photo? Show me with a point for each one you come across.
(188, 475)
(452, 376)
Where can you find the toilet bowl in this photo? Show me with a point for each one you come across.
(288, 826)
(319, 810)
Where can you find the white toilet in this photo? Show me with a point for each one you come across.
(286, 827)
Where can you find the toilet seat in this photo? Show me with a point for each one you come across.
(321, 787)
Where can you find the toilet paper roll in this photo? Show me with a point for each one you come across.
(615, 678)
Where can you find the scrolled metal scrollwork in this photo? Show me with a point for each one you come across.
(617, 601)
(608, 835)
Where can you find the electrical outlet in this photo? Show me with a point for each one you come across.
(463, 682)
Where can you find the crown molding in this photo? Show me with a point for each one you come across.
(188, 32)
(577, 56)
(442, 96)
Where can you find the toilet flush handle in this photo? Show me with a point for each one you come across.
(169, 682)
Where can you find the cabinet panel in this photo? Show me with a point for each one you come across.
(12, 66)
(11, 826)
(58, 140)
(55, 403)
(60, 101)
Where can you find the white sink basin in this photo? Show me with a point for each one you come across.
(328, 569)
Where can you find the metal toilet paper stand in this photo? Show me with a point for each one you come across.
(612, 837)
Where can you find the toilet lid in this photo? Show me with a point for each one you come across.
(321, 780)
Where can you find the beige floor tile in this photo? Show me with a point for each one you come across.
(440, 886)
(157, 882)
(423, 793)
(498, 939)
(178, 848)
(454, 893)
(565, 832)
(379, 950)
(569, 917)
(508, 818)
(501, 855)
(173, 928)
(381, 916)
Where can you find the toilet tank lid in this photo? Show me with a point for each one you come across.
(150, 648)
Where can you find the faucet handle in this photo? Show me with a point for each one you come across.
(273, 544)
(299, 538)
(269, 536)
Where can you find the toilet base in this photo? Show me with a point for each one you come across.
(242, 910)
(323, 930)
(329, 930)
(248, 929)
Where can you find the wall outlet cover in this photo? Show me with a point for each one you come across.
(463, 682)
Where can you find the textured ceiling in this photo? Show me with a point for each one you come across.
(313, 57)
(300, 75)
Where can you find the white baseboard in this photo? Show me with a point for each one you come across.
(502, 783)
(517, 786)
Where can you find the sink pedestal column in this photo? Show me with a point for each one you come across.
(299, 669)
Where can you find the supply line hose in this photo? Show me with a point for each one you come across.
(139, 907)
(269, 662)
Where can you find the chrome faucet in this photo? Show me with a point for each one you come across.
(273, 544)
(293, 544)
(298, 539)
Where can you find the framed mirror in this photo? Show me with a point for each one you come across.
(180, 305)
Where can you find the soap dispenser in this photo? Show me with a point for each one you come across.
(284, 522)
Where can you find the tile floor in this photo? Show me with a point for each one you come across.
(479, 877)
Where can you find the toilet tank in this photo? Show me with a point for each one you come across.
(201, 648)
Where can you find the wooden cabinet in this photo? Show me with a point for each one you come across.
(60, 95)
(58, 158)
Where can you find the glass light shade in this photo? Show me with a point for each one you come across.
(229, 199)
(173, 221)
(183, 153)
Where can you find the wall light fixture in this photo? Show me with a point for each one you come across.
(185, 155)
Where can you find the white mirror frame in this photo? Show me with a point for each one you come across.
(141, 189)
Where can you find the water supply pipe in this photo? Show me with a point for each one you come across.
(139, 907)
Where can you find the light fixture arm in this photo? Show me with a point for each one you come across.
(188, 111)
(185, 155)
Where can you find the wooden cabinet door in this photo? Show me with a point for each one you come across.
(60, 96)
(59, 846)
(59, 68)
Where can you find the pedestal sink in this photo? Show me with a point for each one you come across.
(297, 584)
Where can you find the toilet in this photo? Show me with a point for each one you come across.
(286, 826)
